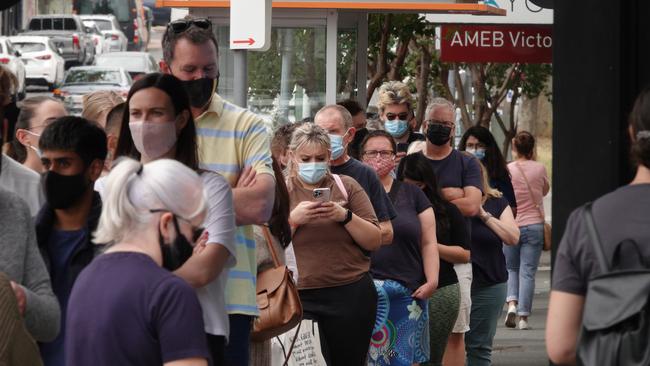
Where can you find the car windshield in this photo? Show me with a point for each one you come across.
(26, 47)
(120, 8)
(103, 24)
(93, 77)
(129, 63)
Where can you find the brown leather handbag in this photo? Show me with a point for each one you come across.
(277, 299)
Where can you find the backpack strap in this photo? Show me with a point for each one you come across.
(597, 245)
(339, 183)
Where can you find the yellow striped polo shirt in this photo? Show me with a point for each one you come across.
(230, 138)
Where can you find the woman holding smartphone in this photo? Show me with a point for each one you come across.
(331, 239)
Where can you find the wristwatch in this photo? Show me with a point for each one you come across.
(348, 218)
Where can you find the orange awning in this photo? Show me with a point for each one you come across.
(413, 6)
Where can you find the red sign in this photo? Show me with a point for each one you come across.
(496, 43)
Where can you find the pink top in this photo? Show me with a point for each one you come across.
(528, 208)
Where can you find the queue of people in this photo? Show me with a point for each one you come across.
(153, 208)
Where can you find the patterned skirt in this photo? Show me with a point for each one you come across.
(401, 333)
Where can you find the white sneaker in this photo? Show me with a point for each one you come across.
(523, 324)
(510, 316)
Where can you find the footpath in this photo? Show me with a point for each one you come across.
(514, 347)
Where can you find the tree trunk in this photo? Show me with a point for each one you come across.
(460, 101)
(422, 84)
(400, 57)
(512, 130)
(381, 68)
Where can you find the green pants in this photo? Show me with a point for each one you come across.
(443, 311)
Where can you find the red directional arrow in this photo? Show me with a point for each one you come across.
(250, 41)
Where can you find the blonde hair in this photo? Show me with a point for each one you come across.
(306, 134)
(488, 190)
(416, 147)
(394, 92)
(100, 102)
(133, 189)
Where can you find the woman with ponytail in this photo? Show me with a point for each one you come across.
(619, 216)
(126, 308)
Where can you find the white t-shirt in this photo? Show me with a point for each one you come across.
(22, 181)
(220, 224)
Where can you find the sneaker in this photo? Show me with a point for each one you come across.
(510, 316)
(523, 324)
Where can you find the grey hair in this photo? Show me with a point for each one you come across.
(438, 102)
(345, 116)
(133, 189)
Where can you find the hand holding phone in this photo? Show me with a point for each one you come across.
(321, 194)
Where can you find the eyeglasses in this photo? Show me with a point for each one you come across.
(196, 231)
(402, 116)
(370, 154)
(181, 25)
(439, 122)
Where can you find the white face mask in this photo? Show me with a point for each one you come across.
(153, 139)
(36, 149)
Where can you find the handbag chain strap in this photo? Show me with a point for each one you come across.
(530, 190)
(269, 244)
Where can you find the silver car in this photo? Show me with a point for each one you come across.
(83, 80)
(110, 28)
(136, 64)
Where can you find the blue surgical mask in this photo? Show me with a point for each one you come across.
(312, 173)
(337, 146)
(478, 153)
(396, 127)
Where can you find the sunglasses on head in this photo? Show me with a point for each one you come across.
(181, 25)
(392, 116)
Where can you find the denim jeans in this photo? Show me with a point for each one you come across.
(522, 261)
(487, 304)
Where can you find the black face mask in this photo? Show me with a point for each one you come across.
(438, 134)
(200, 91)
(178, 252)
(64, 191)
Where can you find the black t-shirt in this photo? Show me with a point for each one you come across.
(619, 215)
(126, 310)
(402, 259)
(457, 234)
(505, 186)
(488, 261)
(457, 171)
(368, 180)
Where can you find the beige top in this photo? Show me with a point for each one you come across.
(326, 254)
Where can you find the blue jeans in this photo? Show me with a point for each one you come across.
(522, 261)
(487, 303)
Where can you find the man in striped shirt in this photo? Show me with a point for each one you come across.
(235, 143)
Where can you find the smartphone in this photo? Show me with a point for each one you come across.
(321, 194)
(402, 147)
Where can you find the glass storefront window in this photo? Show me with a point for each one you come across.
(346, 70)
(287, 82)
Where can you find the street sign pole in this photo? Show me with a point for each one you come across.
(250, 29)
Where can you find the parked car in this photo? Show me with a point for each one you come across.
(83, 80)
(130, 15)
(67, 33)
(135, 63)
(161, 15)
(96, 34)
(43, 64)
(110, 28)
(10, 58)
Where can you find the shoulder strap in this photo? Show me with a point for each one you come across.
(269, 244)
(530, 190)
(393, 191)
(594, 237)
(339, 183)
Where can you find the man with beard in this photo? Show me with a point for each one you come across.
(73, 150)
